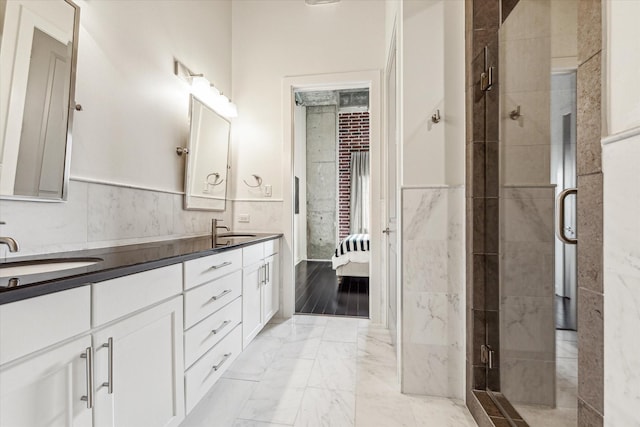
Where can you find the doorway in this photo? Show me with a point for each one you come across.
(337, 81)
(331, 201)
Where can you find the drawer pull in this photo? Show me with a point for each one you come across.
(89, 365)
(224, 359)
(224, 264)
(221, 327)
(220, 295)
(109, 383)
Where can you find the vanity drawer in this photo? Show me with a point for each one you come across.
(211, 330)
(202, 270)
(204, 300)
(206, 371)
(119, 297)
(252, 254)
(271, 247)
(36, 323)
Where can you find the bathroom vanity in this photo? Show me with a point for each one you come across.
(137, 338)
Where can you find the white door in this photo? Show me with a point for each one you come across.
(391, 199)
(270, 290)
(146, 370)
(252, 279)
(47, 390)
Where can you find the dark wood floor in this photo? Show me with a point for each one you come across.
(318, 292)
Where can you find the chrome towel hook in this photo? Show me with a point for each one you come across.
(216, 181)
(515, 114)
(258, 180)
(435, 118)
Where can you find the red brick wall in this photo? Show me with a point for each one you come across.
(353, 135)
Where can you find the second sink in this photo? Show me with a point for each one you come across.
(23, 268)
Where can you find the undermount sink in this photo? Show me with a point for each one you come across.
(235, 236)
(23, 268)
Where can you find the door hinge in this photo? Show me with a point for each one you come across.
(488, 356)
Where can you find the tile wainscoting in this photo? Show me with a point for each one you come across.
(433, 291)
(102, 214)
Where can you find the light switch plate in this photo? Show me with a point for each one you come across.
(268, 190)
(243, 218)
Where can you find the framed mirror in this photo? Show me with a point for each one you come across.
(38, 55)
(206, 176)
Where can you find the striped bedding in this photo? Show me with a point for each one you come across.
(353, 248)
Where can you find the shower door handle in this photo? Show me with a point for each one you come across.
(560, 214)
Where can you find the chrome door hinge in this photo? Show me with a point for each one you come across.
(487, 356)
(487, 76)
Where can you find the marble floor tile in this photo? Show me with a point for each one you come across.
(440, 412)
(340, 334)
(304, 349)
(334, 374)
(221, 406)
(305, 319)
(251, 423)
(326, 408)
(384, 411)
(273, 405)
(337, 350)
(254, 361)
(290, 375)
(566, 349)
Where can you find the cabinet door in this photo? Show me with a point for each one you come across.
(252, 279)
(271, 288)
(145, 371)
(47, 390)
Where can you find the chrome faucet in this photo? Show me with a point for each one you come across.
(215, 226)
(13, 245)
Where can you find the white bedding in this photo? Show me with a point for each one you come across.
(361, 257)
(353, 249)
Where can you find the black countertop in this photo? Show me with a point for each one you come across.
(116, 261)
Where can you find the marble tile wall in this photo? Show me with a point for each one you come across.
(621, 282)
(433, 302)
(97, 215)
(265, 216)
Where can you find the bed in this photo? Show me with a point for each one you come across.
(351, 258)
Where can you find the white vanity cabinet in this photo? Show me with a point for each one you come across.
(138, 369)
(260, 287)
(138, 352)
(42, 382)
(47, 389)
(213, 317)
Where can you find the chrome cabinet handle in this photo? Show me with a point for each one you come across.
(221, 327)
(224, 359)
(88, 355)
(224, 264)
(560, 211)
(260, 275)
(220, 295)
(109, 383)
(267, 279)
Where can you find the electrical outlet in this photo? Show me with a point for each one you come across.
(243, 218)
(268, 189)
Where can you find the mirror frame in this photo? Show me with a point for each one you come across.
(71, 107)
(190, 162)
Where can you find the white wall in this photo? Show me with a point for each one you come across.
(621, 203)
(275, 39)
(134, 106)
(135, 112)
(423, 148)
(623, 64)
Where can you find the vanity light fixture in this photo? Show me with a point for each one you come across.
(205, 91)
